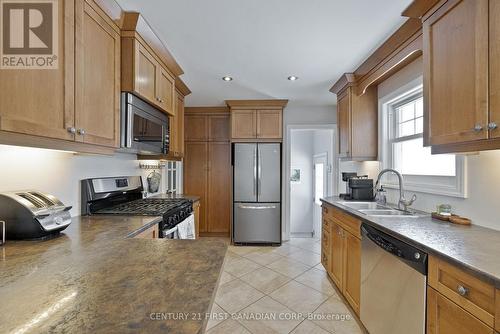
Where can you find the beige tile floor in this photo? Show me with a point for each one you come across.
(278, 290)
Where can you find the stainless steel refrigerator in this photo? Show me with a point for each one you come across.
(257, 193)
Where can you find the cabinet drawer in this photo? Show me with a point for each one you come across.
(466, 290)
(348, 222)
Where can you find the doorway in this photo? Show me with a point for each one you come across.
(310, 166)
(320, 187)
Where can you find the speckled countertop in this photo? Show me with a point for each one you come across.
(184, 196)
(472, 247)
(92, 279)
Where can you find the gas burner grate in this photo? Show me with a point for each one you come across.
(145, 207)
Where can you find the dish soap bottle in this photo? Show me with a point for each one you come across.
(381, 197)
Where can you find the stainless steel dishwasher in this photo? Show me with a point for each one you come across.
(393, 284)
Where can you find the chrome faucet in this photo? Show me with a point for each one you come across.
(403, 202)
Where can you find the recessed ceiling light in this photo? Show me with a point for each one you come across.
(227, 78)
(293, 78)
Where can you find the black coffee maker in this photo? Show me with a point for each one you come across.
(359, 187)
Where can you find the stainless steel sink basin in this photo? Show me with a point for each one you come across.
(388, 212)
(376, 210)
(364, 205)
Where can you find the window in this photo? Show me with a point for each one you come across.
(402, 147)
(409, 156)
(172, 172)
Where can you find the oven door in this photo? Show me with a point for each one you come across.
(145, 129)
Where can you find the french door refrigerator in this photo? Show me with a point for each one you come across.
(257, 193)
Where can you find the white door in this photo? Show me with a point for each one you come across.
(320, 162)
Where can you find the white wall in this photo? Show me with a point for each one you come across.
(323, 141)
(482, 174)
(298, 114)
(301, 199)
(59, 173)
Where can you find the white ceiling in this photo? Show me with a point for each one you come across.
(261, 42)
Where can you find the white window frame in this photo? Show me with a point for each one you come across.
(454, 186)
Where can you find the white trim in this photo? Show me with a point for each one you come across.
(438, 185)
(286, 166)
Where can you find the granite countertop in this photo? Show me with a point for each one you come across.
(472, 247)
(93, 279)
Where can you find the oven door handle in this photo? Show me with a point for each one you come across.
(170, 231)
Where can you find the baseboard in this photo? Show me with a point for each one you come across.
(301, 235)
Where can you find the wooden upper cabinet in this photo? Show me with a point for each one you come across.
(41, 102)
(357, 119)
(97, 77)
(256, 119)
(344, 124)
(243, 124)
(146, 71)
(446, 317)
(218, 128)
(456, 72)
(269, 124)
(145, 68)
(494, 121)
(166, 90)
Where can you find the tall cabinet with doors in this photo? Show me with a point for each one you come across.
(207, 166)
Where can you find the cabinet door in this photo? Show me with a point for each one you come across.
(494, 68)
(195, 176)
(166, 90)
(337, 255)
(243, 124)
(97, 77)
(146, 72)
(269, 124)
(352, 270)
(218, 128)
(41, 102)
(344, 123)
(196, 128)
(179, 115)
(456, 72)
(445, 317)
(219, 183)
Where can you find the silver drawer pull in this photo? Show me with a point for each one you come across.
(3, 233)
(462, 291)
(257, 207)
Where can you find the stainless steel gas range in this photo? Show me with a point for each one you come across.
(123, 196)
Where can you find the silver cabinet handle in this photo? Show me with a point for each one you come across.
(3, 232)
(492, 126)
(462, 291)
(255, 171)
(252, 207)
(81, 132)
(71, 130)
(478, 128)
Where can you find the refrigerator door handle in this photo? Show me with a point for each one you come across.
(259, 174)
(251, 207)
(255, 171)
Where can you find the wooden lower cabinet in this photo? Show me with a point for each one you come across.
(343, 255)
(351, 287)
(446, 317)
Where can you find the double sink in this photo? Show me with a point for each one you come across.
(377, 210)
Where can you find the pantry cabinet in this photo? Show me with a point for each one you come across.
(207, 167)
(357, 121)
(78, 101)
(343, 255)
(253, 120)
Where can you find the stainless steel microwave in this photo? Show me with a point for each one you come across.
(144, 128)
